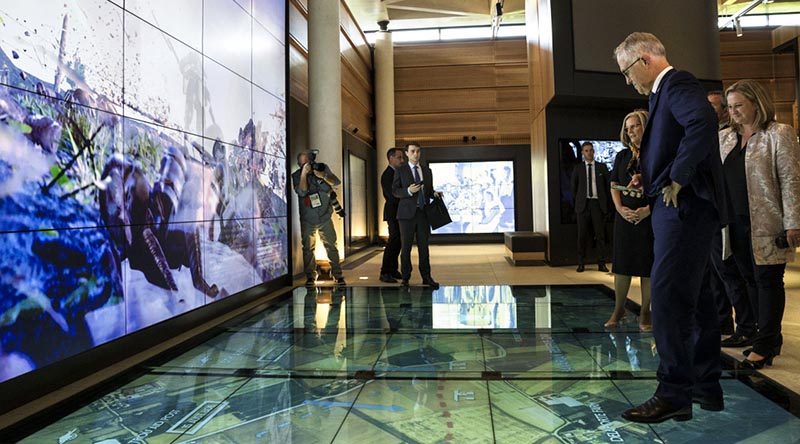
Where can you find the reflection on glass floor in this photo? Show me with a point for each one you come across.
(458, 364)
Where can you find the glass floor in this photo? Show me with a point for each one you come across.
(468, 364)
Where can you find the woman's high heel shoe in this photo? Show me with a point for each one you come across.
(775, 352)
(758, 365)
(612, 323)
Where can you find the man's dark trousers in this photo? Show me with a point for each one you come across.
(591, 219)
(417, 225)
(685, 322)
(392, 250)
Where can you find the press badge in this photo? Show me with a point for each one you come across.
(316, 202)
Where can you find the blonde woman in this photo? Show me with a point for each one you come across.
(633, 234)
(761, 165)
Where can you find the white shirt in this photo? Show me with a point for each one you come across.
(661, 76)
(591, 187)
(419, 171)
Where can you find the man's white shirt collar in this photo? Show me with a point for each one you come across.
(660, 76)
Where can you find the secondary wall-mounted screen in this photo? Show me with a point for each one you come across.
(479, 195)
(605, 151)
(142, 166)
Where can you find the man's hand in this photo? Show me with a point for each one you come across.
(641, 214)
(321, 174)
(670, 193)
(306, 169)
(414, 188)
(793, 237)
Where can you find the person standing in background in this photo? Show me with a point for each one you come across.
(389, 268)
(413, 185)
(591, 188)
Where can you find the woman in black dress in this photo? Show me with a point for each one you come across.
(633, 234)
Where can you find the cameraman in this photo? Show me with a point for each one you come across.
(313, 182)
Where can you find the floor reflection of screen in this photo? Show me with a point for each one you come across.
(479, 195)
(474, 307)
(605, 151)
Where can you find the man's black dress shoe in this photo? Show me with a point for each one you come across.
(396, 275)
(656, 410)
(404, 282)
(726, 327)
(430, 282)
(388, 279)
(310, 282)
(736, 340)
(580, 268)
(340, 282)
(710, 403)
(602, 267)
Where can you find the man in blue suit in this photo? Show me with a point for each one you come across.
(682, 175)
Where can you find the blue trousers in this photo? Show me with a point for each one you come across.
(685, 322)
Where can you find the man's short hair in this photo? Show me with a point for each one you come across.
(587, 144)
(392, 151)
(302, 153)
(716, 92)
(410, 144)
(637, 44)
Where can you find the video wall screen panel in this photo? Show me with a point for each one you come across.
(479, 195)
(124, 207)
(605, 151)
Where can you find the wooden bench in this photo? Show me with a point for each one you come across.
(526, 248)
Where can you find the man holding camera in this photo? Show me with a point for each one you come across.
(313, 183)
(413, 185)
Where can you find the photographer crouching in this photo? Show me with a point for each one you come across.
(313, 183)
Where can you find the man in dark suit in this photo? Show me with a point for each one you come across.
(682, 176)
(725, 281)
(413, 185)
(389, 269)
(592, 191)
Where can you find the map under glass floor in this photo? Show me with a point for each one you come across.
(461, 364)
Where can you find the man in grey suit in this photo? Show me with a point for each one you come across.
(592, 191)
(413, 185)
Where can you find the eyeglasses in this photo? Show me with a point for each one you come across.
(625, 71)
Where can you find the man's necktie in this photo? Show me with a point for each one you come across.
(421, 192)
(589, 180)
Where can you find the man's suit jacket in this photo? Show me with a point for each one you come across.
(390, 207)
(681, 143)
(601, 180)
(404, 178)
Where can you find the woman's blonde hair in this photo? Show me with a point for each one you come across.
(759, 96)
(640, 114)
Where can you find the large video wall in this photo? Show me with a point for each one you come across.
(142, 165)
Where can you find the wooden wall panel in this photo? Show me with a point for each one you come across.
(750, 57)
(298, 73)
(445, 91)
(460, 53)
(460, 76)
(356, 67)
(354, 33)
